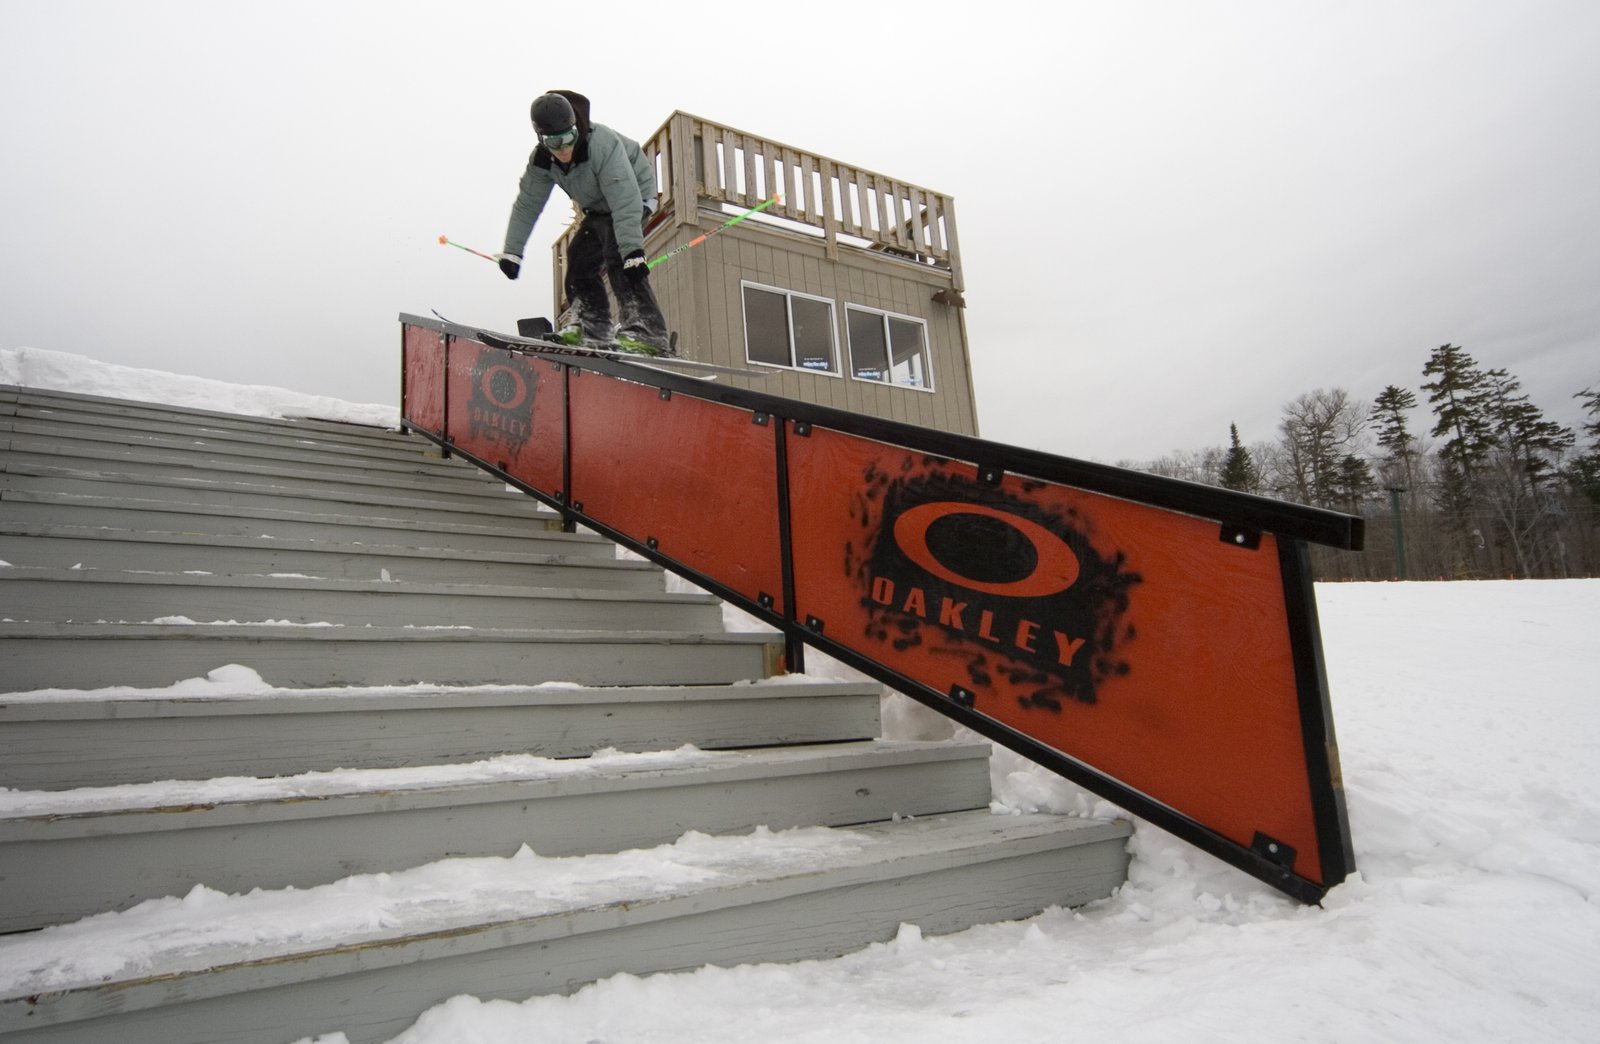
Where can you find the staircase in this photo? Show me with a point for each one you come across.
(309, 661)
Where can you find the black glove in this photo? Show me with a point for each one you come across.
(510, 264)
(635, 267)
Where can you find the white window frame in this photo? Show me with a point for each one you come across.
(885, 317)
(788, 309)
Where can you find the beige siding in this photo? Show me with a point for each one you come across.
(701, 292)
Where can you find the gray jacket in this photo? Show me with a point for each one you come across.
(608, 173)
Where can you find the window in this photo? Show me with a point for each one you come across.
(889, 349)
(784, 328)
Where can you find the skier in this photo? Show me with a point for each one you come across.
(608, 176)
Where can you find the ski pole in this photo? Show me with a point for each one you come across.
(446, 241)
(697, 240)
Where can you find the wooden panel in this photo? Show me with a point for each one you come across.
(730, 168)
(848, 221)
(507, 409)
(952, 250)
(796, 190)
(747, 153)
(423, 407)
(1126, 637)
(721, 466)
(713, 183)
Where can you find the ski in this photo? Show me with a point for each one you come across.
(665, 363)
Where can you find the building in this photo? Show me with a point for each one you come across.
(846, 286)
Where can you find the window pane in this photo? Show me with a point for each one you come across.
(813, 334)
(869, 356)
(910, 365)
(766, 327)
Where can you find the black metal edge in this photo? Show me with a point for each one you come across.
(780, 447)
(568, 523)
(1323, 776)
(444, 391)
(1317, 525)
(639, 372)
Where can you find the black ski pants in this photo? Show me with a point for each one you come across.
(592, 261)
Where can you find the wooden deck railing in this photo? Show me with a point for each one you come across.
(724, 165)
(699, 162)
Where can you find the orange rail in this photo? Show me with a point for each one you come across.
(1153, 640)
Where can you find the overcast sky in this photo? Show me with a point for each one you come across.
(1172, 215)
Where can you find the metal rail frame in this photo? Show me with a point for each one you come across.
(1293, 525)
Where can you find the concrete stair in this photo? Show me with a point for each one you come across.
(436, 684)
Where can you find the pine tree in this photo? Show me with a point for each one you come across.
(1354, 482)
(1238, 468)
(1394, 438)
(1521, 430)
(1584, 470)
(1389, 411)
(1458, 399)
(1457, 396)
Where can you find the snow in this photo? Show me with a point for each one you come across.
(206, 926)
(190, 793)
(1469, 729)
(64, 371)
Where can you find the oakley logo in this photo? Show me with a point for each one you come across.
(986, 550)
(503, 387)
(500, 406)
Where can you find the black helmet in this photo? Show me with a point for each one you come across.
(552, 114)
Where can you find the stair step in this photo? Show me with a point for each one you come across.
(67, 740)
(88, 595)
(37, 513)
(159, 462)
(410, 456)
(88, 656)
(69, 855)
(546, 562)
(76, 407)
(364, 787)
(264, 493)
(368, 955)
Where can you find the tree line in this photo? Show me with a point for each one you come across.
(1492, 489)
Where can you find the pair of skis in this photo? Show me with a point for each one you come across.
(666, 363)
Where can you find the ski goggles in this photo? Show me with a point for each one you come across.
(564, 140)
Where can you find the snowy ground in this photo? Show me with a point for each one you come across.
(1469, 728)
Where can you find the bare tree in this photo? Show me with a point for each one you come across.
(1319, 430)
(1194, 465)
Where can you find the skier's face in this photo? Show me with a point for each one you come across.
(561, 143)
